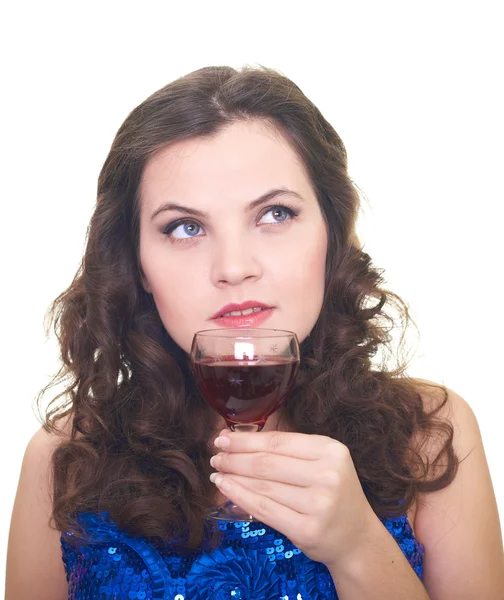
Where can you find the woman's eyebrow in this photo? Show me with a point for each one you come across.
(274, 193)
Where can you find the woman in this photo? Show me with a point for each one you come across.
(230, 187)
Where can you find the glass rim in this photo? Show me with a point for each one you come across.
(239, 333)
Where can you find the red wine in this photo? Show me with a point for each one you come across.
(245, 393)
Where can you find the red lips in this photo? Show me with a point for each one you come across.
(234, 307)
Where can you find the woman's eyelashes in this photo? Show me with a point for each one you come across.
(185, 230)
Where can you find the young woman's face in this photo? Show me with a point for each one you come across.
(206, 241)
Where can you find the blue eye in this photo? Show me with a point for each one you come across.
(183, 230)
(279, 214)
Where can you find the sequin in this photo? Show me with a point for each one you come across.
(253, 561)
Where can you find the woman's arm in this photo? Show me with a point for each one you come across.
(378, 570)
(35, 568)
(459, 527)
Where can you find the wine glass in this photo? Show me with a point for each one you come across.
(245, 375)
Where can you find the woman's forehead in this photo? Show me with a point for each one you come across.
(242, 161)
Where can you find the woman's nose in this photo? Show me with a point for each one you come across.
(234, 261)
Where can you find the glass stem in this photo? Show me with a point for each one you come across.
(252, 427)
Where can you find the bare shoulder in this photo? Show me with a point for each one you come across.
(47, 441)
(34, 552)
(459, 525)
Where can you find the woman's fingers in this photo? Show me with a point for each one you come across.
(263, 465)
(300, 499)
(296, 445)
(262, 508)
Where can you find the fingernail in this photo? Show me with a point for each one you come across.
(216, 478)
(215, 461)
(222, 442)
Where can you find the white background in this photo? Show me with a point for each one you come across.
(413, 90)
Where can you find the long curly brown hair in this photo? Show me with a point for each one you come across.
(140, 444)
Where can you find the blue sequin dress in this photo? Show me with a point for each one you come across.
(253, 562)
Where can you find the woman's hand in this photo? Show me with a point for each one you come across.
(304, 486)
